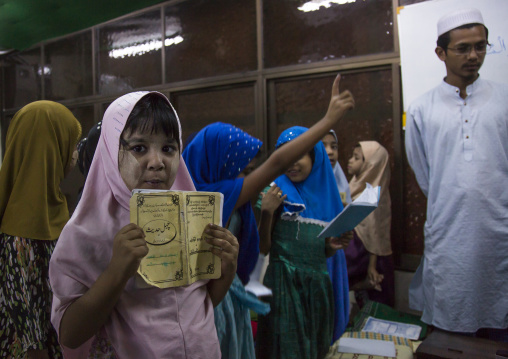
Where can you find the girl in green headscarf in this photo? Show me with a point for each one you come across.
(40, 151)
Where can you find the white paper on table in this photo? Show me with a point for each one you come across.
(367, 346)
(409, 331)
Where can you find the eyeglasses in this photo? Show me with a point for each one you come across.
(465, 50)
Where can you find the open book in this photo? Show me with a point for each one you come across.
(354, 213)
(388, 327)
(173, 222)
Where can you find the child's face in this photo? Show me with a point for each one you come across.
(249, 168)
(72, 162)
(332, 149)
(149, 160)
(355, 163)
(300, 170)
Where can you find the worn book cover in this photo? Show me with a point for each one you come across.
(353, 213)
(173, 222)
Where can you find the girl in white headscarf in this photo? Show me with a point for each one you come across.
(369, 255)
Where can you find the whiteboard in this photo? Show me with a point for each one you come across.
(421, 68)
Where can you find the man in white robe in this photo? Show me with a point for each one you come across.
(457, 146)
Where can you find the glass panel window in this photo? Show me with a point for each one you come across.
(68, 67)
(85, 116)
(23, 78)
(73, 183)
(304, 101)
(210, 38)
(130, 53)
(234, 105)
(104, 107)
(309, 31)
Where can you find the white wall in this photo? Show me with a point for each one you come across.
(421, 68)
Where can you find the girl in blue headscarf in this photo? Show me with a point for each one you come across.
(301, 321)
(338, 263)
(216, 157)
(220, 155)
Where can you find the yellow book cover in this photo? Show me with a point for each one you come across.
(173, 222)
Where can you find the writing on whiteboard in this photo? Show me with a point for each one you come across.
(497, 47)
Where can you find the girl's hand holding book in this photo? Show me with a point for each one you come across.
(129, 247)
(332, 245)
(225, 247)
(335, 243)
(345, 238)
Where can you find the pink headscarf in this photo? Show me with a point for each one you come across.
(147, 322)
(374, 230)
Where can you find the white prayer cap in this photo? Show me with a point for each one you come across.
(458, 18)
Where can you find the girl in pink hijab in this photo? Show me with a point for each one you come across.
(101, 307)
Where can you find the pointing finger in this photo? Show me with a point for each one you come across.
(335, 87)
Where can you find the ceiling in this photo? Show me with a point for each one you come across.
(24, 23)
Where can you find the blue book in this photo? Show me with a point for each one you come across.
(354, 213)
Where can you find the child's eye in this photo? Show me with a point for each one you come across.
(169, 149)
(137, 148)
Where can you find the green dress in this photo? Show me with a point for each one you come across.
(300, 323)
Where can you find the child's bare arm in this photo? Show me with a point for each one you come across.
(89, 313)
(285, 156)
(269, 204)
(372, 272)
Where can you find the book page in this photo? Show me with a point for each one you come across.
(353, 213)
(159, 214)
(202, 208)
(381, 326)
(370, 195)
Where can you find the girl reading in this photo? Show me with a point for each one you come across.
(220, 158)
(300, 323)
(369, 260)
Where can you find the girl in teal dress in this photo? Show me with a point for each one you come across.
(215, 157)
(300, 323)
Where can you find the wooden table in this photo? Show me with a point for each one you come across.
(444, 345)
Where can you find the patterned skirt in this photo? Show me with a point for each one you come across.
(25, 297)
